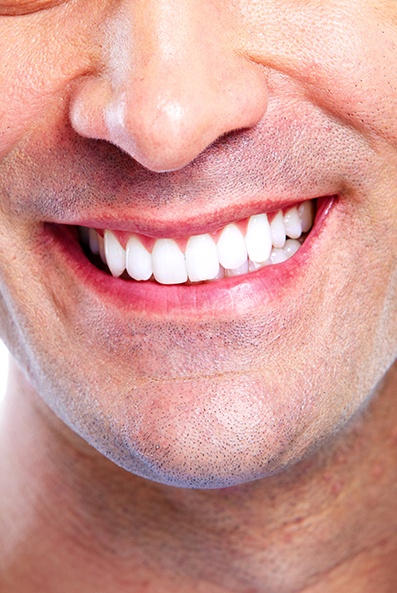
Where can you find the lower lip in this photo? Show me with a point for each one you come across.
(233, 295)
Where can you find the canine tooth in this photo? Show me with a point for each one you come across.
(168, 262)
(277, 229)
(258, 238)
(305, 211)
(93, 241)
(293, 227)
(232, 251)
(138, 260)
(115, 254)
(201, 258)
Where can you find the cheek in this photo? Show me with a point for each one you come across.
(342, 55)
(42, 54)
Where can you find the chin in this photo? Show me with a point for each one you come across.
(222, 436)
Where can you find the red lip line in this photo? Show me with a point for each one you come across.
(179, 228)
(228, 296)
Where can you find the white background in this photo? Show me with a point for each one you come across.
(3, 368)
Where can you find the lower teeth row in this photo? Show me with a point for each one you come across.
(204, 259)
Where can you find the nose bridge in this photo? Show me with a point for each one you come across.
(169, 66)
(143, 33)
(165, 30)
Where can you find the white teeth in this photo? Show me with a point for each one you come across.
(278, 256)
(168, 262)
(238, 271)
(221, 273)
(205, 259)
(202, 261)
(253, 266)
(277, 229)
(291, 247)
(232, 251)
(305, 211)
(115, 254)
(258, 238)
(138, 260)
(293, 226)
(93, 241)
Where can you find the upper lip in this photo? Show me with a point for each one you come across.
(164, 224)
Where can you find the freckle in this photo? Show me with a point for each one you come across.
(298, 520)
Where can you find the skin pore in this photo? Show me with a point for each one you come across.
(237, 436)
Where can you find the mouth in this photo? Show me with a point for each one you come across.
(242, 265)
(239, 248)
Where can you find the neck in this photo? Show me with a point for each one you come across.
(74, 521)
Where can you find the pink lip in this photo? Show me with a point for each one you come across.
(183, 225)
(227, 296)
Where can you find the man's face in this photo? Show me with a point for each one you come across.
(168, 119)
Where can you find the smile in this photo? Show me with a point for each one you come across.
(238, 248)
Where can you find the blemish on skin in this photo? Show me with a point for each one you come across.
(337, 487)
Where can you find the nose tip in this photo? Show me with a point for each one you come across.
(162, 138)
(164, 130)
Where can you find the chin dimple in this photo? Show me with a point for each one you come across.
(238, 248)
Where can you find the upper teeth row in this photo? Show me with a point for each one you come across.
(205, 257)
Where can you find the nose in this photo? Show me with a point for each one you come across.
(170, 83)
